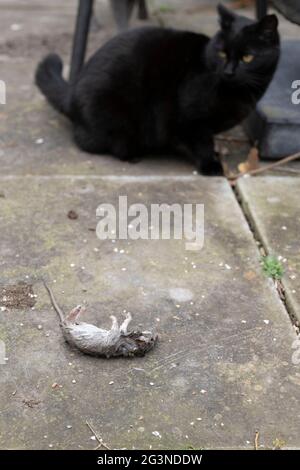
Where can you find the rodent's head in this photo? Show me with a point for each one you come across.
(136, 343)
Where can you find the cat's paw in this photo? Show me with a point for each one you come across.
(129, 159)
(212, 168)
(134, 160)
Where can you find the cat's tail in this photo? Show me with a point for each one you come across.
(49, 79)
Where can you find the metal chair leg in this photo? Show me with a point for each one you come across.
(143, 10)
(261, 8)
(84, 14)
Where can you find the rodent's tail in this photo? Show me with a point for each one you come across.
(49, 79)
(55, 305)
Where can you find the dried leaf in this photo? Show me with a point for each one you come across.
(239, 4)
(252, 162)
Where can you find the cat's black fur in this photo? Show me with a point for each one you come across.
(154, 90)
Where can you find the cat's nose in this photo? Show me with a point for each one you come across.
(229, 70)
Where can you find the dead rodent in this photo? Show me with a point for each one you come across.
(90, 339)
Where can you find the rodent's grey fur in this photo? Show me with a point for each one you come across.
(90, 339)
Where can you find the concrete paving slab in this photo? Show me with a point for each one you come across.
(21, 18)
(223, 366)
(35, 139)
(272, 203)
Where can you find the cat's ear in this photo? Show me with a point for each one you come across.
(227, 17)
(268, 26)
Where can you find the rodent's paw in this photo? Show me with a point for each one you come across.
(114, 325)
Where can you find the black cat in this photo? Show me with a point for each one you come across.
(155, 90)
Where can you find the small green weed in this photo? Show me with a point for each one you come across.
(272, 267)
(165, 9)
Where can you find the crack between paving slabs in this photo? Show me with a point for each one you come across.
(263, 251)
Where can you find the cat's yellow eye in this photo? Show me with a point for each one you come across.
(248, 58)
(223, 55)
